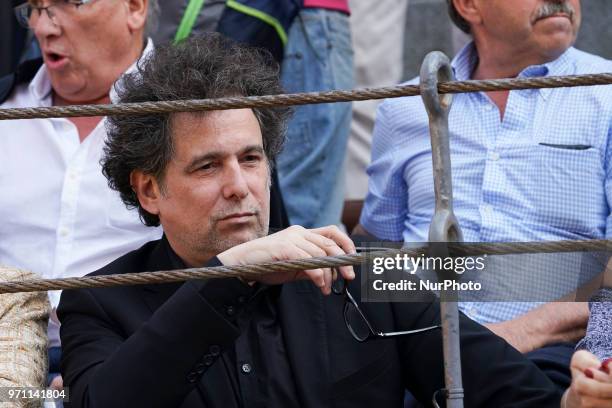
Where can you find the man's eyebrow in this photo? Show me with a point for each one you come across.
(252, 149)
(216, 155)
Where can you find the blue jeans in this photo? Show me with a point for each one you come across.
(318, 57)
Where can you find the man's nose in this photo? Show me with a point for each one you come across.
(234, 182)
(43, 24)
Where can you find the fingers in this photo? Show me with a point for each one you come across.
(591, 387)
(334, 243)
(317, 276)
(582, 360)
(587, 364)
(339, 237)
(310, 247)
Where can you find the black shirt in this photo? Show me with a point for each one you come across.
(256, 369)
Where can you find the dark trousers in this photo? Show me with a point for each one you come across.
(554, 361)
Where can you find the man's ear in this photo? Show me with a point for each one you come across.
(147, 190)
(469, 10)
(137, 14)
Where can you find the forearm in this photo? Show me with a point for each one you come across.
(550, 323)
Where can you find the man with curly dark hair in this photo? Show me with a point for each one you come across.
(273, 342)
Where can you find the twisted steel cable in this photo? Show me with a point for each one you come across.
(251, 271)
(267, 101)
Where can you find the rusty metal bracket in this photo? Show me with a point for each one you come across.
(444, 227)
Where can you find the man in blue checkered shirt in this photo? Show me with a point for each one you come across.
(526, 165)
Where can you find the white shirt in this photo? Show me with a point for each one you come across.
(58, 217)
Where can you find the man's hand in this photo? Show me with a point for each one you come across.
(549, 323)
(591, 383)
(294, 243)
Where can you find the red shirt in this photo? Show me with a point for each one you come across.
(339, 5)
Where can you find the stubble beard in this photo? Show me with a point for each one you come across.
(218, 242)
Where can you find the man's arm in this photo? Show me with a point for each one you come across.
(23, 334)
(550, 323)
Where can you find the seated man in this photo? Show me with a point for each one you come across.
(277, 342)
(527, 165)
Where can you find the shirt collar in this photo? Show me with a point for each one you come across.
(465, 62)
(40, 87)
(175, 260)
(177, 263)
(132, 69)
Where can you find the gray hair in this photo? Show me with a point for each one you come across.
(209, 66)
(457, 18)
(152, 22)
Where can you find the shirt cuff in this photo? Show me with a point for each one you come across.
(228, 296)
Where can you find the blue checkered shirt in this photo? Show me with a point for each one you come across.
(543, 173)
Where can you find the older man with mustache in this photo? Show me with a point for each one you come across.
(527, 165)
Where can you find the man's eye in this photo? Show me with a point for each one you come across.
(252, 158)
(207, 166)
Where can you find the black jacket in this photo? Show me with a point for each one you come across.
(148, 346)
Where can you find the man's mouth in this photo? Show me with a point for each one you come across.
(238, 216)
(55, 60)
(555, 15)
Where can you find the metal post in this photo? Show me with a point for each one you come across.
(444, 226)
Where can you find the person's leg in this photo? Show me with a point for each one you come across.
(55, 355)
(318, 57)
(554, 361)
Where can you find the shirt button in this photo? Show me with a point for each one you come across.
(246, 368)
(208, 360)
(214, 350)
(494, 156)
(230, 311)
(242, 299)
(64, 232)
(487, 208)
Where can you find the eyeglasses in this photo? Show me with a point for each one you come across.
(356, 321)
(28, 14)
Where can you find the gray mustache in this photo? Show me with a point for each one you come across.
(550, 9)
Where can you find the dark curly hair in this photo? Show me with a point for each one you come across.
(208, 66)
(457, 18)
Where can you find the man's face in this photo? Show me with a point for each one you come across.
(216, 189)
(541, 28)
(86, 49)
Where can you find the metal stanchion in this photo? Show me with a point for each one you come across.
(444, 226)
